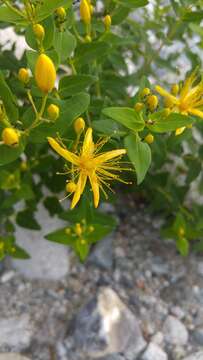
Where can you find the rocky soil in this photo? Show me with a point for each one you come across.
(134, 299)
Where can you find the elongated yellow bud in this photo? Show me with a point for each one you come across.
(39, 31)
(85, 12)
(149, 139)
(53, 112)
(78, 229)
(175, 89)
(45, 73)
(107, 22)
(138, 106)
(152, 102)
(145, 92)
(10, 136)
(61, 13)
(71, 187)
(79, 125)
(23, 75)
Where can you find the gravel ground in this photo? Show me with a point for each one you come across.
(162, 289)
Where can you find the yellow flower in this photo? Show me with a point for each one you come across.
(23, 75)
(89, 165)
(39, 31)
(10, 136)
(189, 99)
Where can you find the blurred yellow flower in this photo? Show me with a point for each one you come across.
(189, 99)
(89, 165)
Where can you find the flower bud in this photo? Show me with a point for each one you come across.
(181, 231)
(70, 187)
(23, 75)
(53, 112)
(149, 139)
(145, 92)
(10, 136)
(79, 125)
(152, 102)
(85, 12)
(78, 229)
(61, 13)
(23, 166)
(138, 106)
(88, 39)
(45, 73)
(168, 103)
(179, 131)
(39, 32)
(68, 231)
(175, 89)
(107, 22)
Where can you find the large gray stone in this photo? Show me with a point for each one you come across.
(195, 356)
(154, 352)
(105, 326)
(102, 254)
(48, 260)
(12, 356)
(15, 333)
(175, 332)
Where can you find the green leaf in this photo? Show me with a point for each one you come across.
(182, 245)
(132, 4)
(9, 100)
(18, 253)
(64, 44)
(53, 205)
(87, 53)
(193, 16)
(161, 124)
(74, 84)
(108, 127)
(125, 116)
(26, 219)
(10, 16)
(9, 154)
(139, 154)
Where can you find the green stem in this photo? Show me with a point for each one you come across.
(32, 102)
(18, 12)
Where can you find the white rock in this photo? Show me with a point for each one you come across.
(48, 260)
(200, 268)
(12, 356)
(7, 276)
(175, 332)
(15, 333)
(195, 356)
(154, 352)
(105, 326)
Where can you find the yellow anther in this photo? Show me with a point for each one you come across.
(39, 32)
(145, 92)
(45, 73)
(175, 89)
(149, 139)
(79, 125)
(78, 229)
(53, 112)
(71, 187)
(85, 12)
(139, 106)
(179, 131)
(152, 102)
(61, 12)
(10, 136)
(23, 75)
(107, 22)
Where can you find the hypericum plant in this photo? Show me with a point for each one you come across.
(92, 71)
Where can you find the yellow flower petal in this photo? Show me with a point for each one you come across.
(196, 112)
(108, 156)
(88, 144)
(68, 155)
(79, 189)
(166, 94)
(95, 188)
(179, 131)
